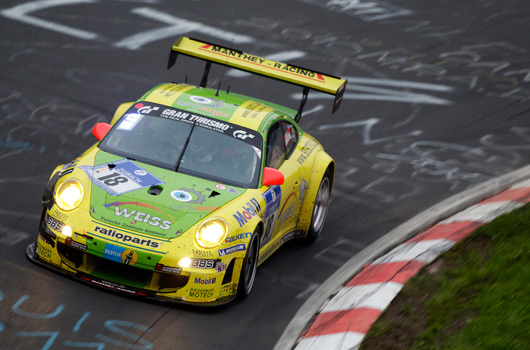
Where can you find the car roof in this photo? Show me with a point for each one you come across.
(252, 113)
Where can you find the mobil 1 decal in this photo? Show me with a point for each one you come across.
(120, 177)
(273, 197)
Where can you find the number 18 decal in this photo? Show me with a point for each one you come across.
(120, 177)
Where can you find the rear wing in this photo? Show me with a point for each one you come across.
(233, 58)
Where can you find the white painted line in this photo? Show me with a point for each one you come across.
(20, 13)
(523, 184)
(176, 26)
(375, 296)
(425, 251)
(484, 212)
(339, 341)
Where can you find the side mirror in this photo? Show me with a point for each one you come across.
(272, 176)
(100, 130)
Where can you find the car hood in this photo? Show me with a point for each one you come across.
(150, 200)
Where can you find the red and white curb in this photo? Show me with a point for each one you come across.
(346, 317)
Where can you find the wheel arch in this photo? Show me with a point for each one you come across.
(323, 163)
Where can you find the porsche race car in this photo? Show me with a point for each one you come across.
(189, 189)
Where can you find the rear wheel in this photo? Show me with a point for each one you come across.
(320, 208)
(250, 266)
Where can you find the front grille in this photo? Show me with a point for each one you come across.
(115, 271)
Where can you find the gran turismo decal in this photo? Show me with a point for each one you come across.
(120, 177)
(243, 135)
(145, 109)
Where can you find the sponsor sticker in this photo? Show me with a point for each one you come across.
(69, 241)
(169, 269)
(201, 252)
(54, 223)
(237, 237)
(201, 293)
(125, 238)
(204, 263)
(121, 178)
(231, 250)
(113, 252)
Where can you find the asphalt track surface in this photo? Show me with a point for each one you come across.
(437, 102)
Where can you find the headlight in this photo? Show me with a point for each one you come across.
(69, 194)
(185, 262)
(211, 232)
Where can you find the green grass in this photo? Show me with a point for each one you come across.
(475, 296)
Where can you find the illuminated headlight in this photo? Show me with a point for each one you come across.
(67, 231)
(69, 194)
(185, 262)
(211, 233)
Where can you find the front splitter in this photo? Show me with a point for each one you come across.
(31, 253)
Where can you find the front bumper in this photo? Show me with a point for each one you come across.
(72, 257)
(31, 253)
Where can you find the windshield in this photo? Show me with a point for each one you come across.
(206, 147)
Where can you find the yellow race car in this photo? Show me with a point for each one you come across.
(189, 189)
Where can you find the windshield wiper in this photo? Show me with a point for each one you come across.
(184, 148)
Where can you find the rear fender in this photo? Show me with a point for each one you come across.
(322, 162)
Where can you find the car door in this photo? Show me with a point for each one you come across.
(282, 201)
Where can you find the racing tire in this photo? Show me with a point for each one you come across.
(320, 208)
(250, 266)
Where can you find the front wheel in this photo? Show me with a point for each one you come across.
(250, 266)
(320, 208)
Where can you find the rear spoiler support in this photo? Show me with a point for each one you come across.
(307, 78)
(302, 104)
(204, 79)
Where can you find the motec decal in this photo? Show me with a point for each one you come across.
(201, 293)
(126, 238)
(249, 211)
